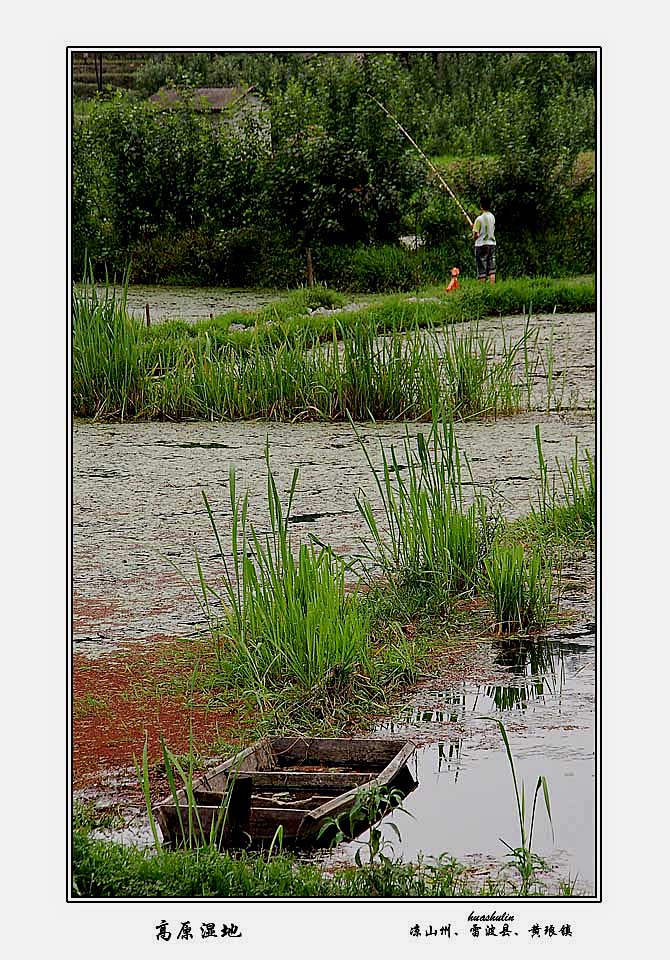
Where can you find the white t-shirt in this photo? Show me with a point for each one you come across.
(486, 225)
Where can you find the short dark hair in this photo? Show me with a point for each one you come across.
(485, 202)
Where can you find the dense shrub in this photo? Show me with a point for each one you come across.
(250, 257)
(448, 100)
(190, 199)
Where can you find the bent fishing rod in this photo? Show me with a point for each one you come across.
(427, 160)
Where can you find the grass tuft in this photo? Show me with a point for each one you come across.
(288, 620)
(430, 545)
(519, 586)
(568, 507)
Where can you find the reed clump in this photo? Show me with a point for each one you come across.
(374, 363)
(519, 585)
(287, 620)
(108, 378)
(429, 544)
(566, 503)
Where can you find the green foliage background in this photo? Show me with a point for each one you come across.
(189, 199)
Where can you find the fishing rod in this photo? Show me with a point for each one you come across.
(428, 161)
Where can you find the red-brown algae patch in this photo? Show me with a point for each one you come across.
(87, 612)
(144, 690)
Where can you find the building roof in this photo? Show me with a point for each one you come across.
(207, 98)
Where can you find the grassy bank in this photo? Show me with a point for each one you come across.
(105, 869)
(269, 369)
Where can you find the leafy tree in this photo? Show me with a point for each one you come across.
(340, 171)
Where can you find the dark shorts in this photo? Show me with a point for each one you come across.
(485, 258)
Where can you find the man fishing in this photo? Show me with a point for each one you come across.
(483, 230)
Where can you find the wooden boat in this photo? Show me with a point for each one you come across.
(298, 784)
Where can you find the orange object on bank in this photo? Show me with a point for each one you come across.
(453, 283)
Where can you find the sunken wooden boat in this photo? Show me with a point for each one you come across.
(301, 785)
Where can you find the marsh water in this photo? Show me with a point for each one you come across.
(139, 517)
(192, 303)
(465, 804)
(139, 514)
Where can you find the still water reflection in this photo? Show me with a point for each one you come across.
(465, 804)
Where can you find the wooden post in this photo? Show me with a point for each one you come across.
(239, 810)
(97, 59)
(146, 310)
(310, 268)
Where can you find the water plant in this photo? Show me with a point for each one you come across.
(522, 857)
(477, 382)
(519, 586)
(568, 507)
(286, 616)
(108, 380)
(370, 805)
(430, 543)
(195, 829)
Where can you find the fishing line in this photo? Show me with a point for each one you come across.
(427, 160)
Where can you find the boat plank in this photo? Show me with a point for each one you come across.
(391, 771)
(264, 822)
(336, 752)
(301, 780)
(259, 756)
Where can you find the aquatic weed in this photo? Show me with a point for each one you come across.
(523, 858)
(430, 542)
(519, 585)
(287, 618)
(570, 510)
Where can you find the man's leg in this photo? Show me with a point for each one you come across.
(480, 263)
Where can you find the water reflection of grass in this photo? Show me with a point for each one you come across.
(542, 665)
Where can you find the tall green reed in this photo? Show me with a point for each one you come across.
(479, 382)
(288, 618)
(430, 545)
(569, 506)
(108, 377)
(519, 586)
(121, 371)
(195, 829)
(522, 857)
